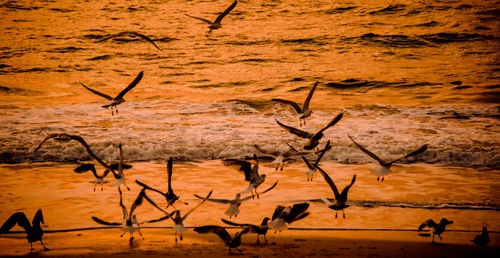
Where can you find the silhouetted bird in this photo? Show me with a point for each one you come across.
(280, 157)
(482, 239)
(312, 167)
(304, 112)
(34, 233)
(257, 229)
(340, 198)
(217, 23)
(436, 229)
(283, 216)
(132, 34)
(231, 242)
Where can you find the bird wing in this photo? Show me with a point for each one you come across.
(222, 15)
(343, 195)
(124, 210)
(89, 151)
(130, 86)
(97, 92)
(296, 131)
(265, 191)
(307, 162)
(194, 208)
(327, 147)
(113, 35)
(213, 200)
(234, 223)
(16, 218)
(297, 212)
(330, 182)
(427, 223)
(145, 37)
(145, 196)
(220, 231)
(160, 219)
(100, 221)
(369, 153)
(413, 153)
(319, 134)
(325, 200)
(145, 186)
(50, 136)
(84, 168)
(170, 164)
(198, 18)
(138, 201)
(277, 212)
(38, 218)
(259, 149)
(291, 103)
(115, 166)
(309, 96)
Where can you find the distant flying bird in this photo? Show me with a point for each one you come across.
(312, 167)
(436, 229)
(313, 137)
(231, 242)
(280, 157)
(304, 112)
(217, 23)
(235, 203)
(283, 216)
(482, 239)
(132, 34)
(257, 229)
(340, 198)
(385, 166)
(119, 98)
(170, 197)
(34, 233)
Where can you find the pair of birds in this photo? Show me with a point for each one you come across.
(482, 239)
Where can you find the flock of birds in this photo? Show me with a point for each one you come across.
(282, 216)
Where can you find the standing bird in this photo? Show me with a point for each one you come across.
(231, 242)
(283, 216)
(216, 24)
(280, 157)
(313, 137)
(99, 179)
(385, 167)
(483, 239)
(340, 198)
(304, 112)
(436, 229)
(119, 98)
(312, 167)
(257, 229)
(34, 233)
(170, 197)
(132, 34)
(235, 203)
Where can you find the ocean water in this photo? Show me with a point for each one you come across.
(403, 73)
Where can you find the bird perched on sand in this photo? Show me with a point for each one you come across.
(304, 112)
(312, 167)
(384, 168)
(340, 198)
(436, 229)
(131, 34)
(216, 24)
(482, 239)
(34, 230)
(257, 229)
(283, 216)
(231, 242)
(313, 137)
(280, 157)
(119, 98)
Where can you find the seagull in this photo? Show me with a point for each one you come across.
(483, 239)
(313, 137)
(251, 175)
(34, 233)
(132, 34)
(312, 167)
(436, 229)
(285, 215)
(130, 223)
(340, 198)
(257, 229)
(119, 98)
(169, 195)
(235, 203)
(280, 157)
(385, 166)
(99, 179)
(215, 24)
(304, 112)
(231, 242)
(120, 177)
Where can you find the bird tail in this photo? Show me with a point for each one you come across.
(248, 189)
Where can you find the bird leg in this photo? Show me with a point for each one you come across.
(181, 236)
(126, 185)
(116, 108)
(122, 235)
(378, 178)
(440, 237)
(258, 240)
(343, 214)
(94, 186)
(382, 179)
(44, 247)
(175, 237)
(101, 188)
(31, 249)
(335, 214)
(433, 237)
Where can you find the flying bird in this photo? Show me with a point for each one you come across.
(313, 137)
(283, 216)
(119, 98)
(482, 239)
(217, 23)
(436, 229)
(280, 157)
(120, 177)
(235, 203)
(99, 179)
(131, 34)
(257, 229)
(231, 242)
(251, 175)
(304, 112)
(384, 168)
(34, 233)
(340, 198)
(312, 167)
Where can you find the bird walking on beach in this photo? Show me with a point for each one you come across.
(216, 24)
(283, 216)
(119, 98)
(131, 34)
(231, 242)
(340, 198)
(482, 239)
(235, 203)
(313, 137)
(280, 157)
(312, 167)
(384, 168)
(436, 229)
(304, 112)
(257, 229)
(34, 230)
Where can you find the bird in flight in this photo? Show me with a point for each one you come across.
(132, 34)
(34, 231)
(231, 242)
(217, 23)
(340, 198)
(119, 98)
(436, 229)
(283, 216)
(312, 167)
(280, 157)
(304, 112)
(257, 229)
